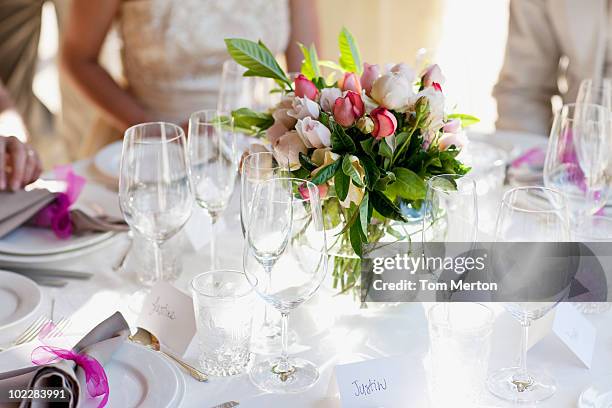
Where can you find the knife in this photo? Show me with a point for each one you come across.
(228, 404)
(46, 272)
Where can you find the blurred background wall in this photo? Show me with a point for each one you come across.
(466, 37)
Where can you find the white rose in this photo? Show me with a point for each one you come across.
(281, 116)
(287, 149)
(404, 70)
(355, 194)
(313, 133)
(392, 91)
(304, 107)
(328, 98)
(436, 107)
(459, 140)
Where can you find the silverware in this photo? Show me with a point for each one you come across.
(47, 272)
(49, 282)
(228, 404)
(119, 265)
(147, 339)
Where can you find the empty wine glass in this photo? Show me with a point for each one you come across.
(214, 164)
(256, 169)
(238, 91)
(286, 225)
(532, 225)
(596, 92)
(154, 188)
(577, 158)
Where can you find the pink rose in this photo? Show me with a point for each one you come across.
(370, 74)
(350, 82)
(275, 131)
(304, 107)
(433, 75)
(348, 109)
(385, 123)
(305, 191)
(459, 140)
(280, 115)
(328, 97)
(404, 70)
(452, 126)
(287, 149)
(305, 88)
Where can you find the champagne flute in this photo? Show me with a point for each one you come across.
(286, 224)
(532, 224)
(214, 164)
(596, 92)
(154, 188)
(577, 158)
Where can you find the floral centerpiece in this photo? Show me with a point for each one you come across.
(369, 140)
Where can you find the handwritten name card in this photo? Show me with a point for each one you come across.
(168, 313)
(374, 383)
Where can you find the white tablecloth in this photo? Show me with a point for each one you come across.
(330, 329)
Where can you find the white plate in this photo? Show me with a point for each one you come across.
(20, 301)
(60, 256)
(599, 395)
(108, 159)
(139, 377)
(31, 241)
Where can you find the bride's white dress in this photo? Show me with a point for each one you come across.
(173, 49)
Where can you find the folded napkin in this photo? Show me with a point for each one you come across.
(100, 343)
(19, 208)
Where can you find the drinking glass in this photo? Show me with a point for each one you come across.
(256, 169)
(154, 188)
(223, 302)
(214, 164)
(537, 216)
(460, 344)
(577, 158)
(238, 91)
(286, 225)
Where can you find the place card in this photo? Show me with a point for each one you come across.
(198, 228)
(374, 383)
(576, 332)
(168, 313)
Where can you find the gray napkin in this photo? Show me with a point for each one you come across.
(101, 342)
(16, 209)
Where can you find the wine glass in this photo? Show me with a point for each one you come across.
(532, 225)
(256, 169)
(238, 91)
(596, 92)
(286, 226)
(154, 188)
(577, 158)
(214, 164)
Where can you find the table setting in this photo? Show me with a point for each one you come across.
(229, 264)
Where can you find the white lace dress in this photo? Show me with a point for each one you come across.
(173, 49)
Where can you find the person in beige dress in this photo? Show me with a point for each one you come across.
(172, 54)
(550, 42)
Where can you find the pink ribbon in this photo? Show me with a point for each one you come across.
(95, 377)
(57, 214)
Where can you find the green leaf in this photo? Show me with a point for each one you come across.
(246, 118)
(330, 64)
(384, 150)
(307, 163)
(372, 173)
(364, 216)
(350, 59)
(327, 172)
(257, 58)
(351, 171)
(355, 237)
(407, 185)
(368, 147)
(342, 183)
(310, 66)
(341, 142)
(466, 120)
(381, 184)
(385, 207)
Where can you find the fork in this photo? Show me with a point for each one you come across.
(35, 328)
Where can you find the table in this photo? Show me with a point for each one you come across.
(331, 329)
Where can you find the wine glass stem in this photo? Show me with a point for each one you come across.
(522, 379)
(268, 308)
(214, 217)
(159, 265)
(284, 365)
